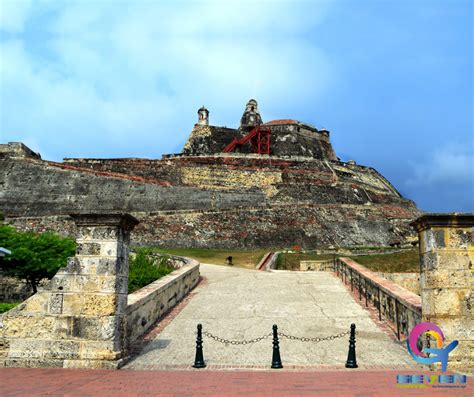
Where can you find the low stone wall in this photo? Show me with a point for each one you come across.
(395, 304)
(271, 264)
(149, 303)
(409, 281)
(323, 265)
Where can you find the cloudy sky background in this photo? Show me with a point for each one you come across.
(391, 80)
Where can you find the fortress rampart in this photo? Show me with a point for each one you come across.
(215, 194)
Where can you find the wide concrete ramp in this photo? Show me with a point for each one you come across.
(239, 304)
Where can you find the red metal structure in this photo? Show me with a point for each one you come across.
(259, 138)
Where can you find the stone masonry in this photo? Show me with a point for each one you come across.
(447, 278)
(299, 194)
(78, 320)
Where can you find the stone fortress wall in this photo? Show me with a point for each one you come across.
(212, 201)
(300, 194)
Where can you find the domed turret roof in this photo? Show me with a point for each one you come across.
(282, 121)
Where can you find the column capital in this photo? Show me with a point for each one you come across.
(124, 221)
(446, 219)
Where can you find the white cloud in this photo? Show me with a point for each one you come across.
(130, 76)
(453, 164)
(14, 14)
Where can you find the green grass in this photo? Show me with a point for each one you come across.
(4, 307)
(391, 262)
(291, 261)
(406, 261)
(240, 258)
(143, 270)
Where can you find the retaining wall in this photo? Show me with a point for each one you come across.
(149, 303)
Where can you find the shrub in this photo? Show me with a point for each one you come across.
(4, 307)
(34, 256)
(145, 269)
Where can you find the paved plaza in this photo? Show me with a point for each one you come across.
(241, 304)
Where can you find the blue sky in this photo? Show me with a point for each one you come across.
(391, 80)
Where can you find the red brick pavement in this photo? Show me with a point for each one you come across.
(70, 382)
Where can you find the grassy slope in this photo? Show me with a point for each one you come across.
(248, 259)
(406, 261)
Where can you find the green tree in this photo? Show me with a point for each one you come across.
(34, 256)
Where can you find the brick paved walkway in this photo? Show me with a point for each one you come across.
(240, 304)
(64, 382)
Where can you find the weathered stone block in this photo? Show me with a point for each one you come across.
(91, 364)
(31, 363)
(35, 304)
(442, 302)
(62, 327)
(92, 283)
(88, 249)
(4, 347)
(110, 248)
(110, 266)
(88, 265)
(435, 260)
(55, 304)
(446, 278)
(99, 305)
(459, 238)
(27, 326)
(62, 349)
(100, 350)
(111, 233)
(62, 282)
(26, 348)
(96, 328)
(72, 304)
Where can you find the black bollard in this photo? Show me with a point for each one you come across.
(351, 356)
(276, 359)
(199, 360)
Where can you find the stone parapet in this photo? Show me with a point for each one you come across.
(395, 304)
(149, 303)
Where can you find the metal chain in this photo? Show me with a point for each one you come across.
(291, 337)
(236, 342)
(315, 340)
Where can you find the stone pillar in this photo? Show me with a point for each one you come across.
(78, 319)
(101, 285)
(446, 260)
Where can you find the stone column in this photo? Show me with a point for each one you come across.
(101, 285)
(78, 319)
(446, 260)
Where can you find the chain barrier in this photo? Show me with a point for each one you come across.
(283, 335)
(236, 342)
(314, 340)
(276, 358)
